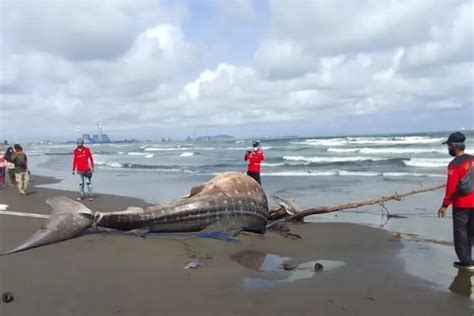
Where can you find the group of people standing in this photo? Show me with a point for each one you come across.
(14, 163)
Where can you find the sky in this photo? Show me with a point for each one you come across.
(148, 69)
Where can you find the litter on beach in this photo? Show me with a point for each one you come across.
(192, 265)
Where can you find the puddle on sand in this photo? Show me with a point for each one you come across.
(440, 274)
(462, 283)
(273, 265)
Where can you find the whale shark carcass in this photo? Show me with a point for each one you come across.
(230, 199)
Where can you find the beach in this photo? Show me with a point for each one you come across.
(364, 270)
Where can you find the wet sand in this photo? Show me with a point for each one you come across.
(127, 275)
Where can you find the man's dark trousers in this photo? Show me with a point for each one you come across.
(463, 231)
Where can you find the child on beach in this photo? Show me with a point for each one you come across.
(10, 165)
(3, 170)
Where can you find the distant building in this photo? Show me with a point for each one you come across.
(99, 138)
(213, 138)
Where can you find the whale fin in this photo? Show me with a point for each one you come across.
(68, 219)
(224, 229)
(289, 207)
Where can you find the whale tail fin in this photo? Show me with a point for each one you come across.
(68, 219)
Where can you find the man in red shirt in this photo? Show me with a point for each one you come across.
(460, 168)
(84, 164)
(254, 158)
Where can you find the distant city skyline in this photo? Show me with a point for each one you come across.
(149, 69)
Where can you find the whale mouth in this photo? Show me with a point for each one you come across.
(68, 219)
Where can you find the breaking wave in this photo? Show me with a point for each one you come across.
(406, 150)
(427, 162)
(187, 154)
(408, 140)
(331, 159)
(347, 173)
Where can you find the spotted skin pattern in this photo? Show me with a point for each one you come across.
(230, 199)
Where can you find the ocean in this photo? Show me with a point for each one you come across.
(311, 171)
(388, 156)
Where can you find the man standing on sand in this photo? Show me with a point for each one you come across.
(84, 164)
(460, 171)
(22, 175)
(254, 158)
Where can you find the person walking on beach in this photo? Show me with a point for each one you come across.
(460, 193)
(22, 175)
(254, 158)
(83, 163)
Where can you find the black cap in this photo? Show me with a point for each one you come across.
(17, 147)
(456, 137)
(256, 144)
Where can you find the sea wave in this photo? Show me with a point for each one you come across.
(135, 166)
(387, 150)
(343, 150)
(109, 164)
(347, 173)
(332, 159)
(237, 148)
(165, 149)
(270, 164)
(412, 174)
(401, 150)
(187, 154)
(301, 173)
(407, 140)
(395, 140)
(427, 162)
(131, 153)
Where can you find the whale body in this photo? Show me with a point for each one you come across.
(232, 200)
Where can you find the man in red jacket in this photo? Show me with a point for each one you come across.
(254, 158)
(84, 164)
(460, 168)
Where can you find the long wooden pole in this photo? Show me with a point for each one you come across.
(356, 204)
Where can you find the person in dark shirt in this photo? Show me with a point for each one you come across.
(22, 174)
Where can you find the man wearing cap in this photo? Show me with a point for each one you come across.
(460, 169)
(83, 163)
(254, 158)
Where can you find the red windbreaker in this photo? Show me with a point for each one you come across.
(457, 168)
(254, 158)
(80, 161)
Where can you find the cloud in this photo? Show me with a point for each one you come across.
(80, 30)
(147, 66)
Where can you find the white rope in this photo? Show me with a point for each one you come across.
(24, 214)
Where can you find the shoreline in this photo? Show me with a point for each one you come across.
(101, 274)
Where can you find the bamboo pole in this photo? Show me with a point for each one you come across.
(356, 204)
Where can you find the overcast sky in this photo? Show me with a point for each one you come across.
(148, 69)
